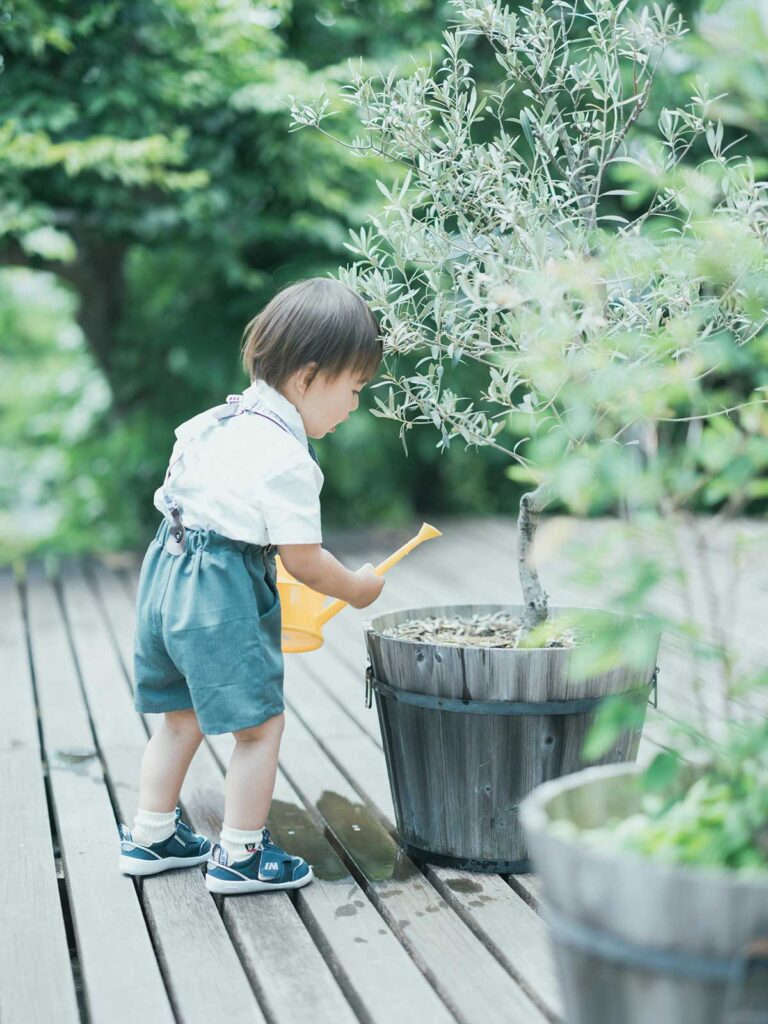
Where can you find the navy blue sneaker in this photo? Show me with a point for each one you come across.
(183, 849)
(268, 867)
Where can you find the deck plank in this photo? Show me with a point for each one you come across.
(512, 930)
(119, 968)
(382, 982)
(377, 938)
(185, 924)
(445, 948)
(376, 974)
(36, 980)
(251, 922)
(284, 964)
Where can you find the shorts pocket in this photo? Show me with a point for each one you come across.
(263, 583)
(270, 575)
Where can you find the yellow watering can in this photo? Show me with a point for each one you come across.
(303, 615)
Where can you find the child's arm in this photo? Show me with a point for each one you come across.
(317, 569)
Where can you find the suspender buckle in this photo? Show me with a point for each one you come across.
(177, 540)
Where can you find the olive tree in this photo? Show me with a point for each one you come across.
(598, 314)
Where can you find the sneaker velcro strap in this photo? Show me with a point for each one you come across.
(277, 866)
(176, 845)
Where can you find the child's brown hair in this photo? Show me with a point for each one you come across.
(318, 320)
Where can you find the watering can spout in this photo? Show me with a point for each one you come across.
(303, 615)
(427, 532)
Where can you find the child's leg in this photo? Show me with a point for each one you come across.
(250, 784)
(163, 768)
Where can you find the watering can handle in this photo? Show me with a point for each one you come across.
(426, 532)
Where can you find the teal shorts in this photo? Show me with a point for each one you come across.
(208, 632)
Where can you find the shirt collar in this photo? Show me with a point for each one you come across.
(279, 404)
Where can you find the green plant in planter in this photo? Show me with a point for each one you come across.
(715, 815)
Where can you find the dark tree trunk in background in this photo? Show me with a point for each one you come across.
(98, 276)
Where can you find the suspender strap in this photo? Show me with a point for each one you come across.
(235, 405)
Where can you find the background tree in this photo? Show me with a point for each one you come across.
(148, 166)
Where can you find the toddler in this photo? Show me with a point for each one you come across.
(242, 484)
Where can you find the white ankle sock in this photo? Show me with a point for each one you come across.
(153, 826)
(238, 843)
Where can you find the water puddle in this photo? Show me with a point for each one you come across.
(74, 759)
(293, 829)
(369, 845)
(464, 885)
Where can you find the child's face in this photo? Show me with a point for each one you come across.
(325, 403)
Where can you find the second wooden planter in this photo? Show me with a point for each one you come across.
(637, 940)
(468, 732)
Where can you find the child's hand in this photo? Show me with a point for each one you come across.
(369, 586)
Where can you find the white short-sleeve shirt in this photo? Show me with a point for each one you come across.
(245, 477)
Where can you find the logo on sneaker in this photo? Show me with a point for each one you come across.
(271, 865)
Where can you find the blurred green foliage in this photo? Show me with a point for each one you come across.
(710, 816)
(154, 200)
(151, 177)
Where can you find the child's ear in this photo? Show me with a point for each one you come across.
(307, 374)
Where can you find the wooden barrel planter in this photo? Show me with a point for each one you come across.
(468, 732)
(637, 940)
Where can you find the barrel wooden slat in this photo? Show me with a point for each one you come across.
(185, 923)
(485, 673)
(443, 946)
(120, 972)
(36, 981)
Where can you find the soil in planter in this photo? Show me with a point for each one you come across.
(497, 629)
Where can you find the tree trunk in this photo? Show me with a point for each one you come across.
(534, 595)
(97, 275)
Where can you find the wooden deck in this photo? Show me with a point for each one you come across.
(373, 939)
